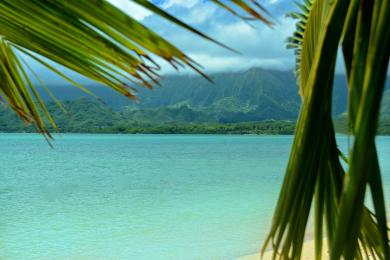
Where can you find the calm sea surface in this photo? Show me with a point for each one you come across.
(141, 196)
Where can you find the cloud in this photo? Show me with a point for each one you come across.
(258, 44)
(237, 63)
(201, 13)
(136, 11)
(182, 3)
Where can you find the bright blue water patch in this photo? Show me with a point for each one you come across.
(141, 196)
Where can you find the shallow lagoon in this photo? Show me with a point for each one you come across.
(142, 196)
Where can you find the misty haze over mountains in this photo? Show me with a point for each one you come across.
(255, 94)
(249, 96)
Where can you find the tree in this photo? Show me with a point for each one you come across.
(101, 42)
(314, 172)
(93, 38)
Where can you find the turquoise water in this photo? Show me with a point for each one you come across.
(141, 196)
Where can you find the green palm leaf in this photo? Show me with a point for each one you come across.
(94, 39)
(314, 173)
(367, 76)
(101, 42)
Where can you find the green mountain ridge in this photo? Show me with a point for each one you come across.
(87, 116)
(251, 96)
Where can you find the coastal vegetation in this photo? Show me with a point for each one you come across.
(191, 105)
(104, 44)
(93, 38)
(86, 115)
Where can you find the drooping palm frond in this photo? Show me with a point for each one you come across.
(314, 172)
(94, 39)
(367, 76)
(296, 40)
(18, 91)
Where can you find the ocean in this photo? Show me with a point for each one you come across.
(142, 196)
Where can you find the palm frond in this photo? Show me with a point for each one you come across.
(367, 76)
(96, 40)
(251, 12)
(18, 91)
(314, 172)
(313, 169)
(296, 40)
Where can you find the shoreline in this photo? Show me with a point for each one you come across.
(149, 133)
(308, 251)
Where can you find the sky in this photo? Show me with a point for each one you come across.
(258, 45)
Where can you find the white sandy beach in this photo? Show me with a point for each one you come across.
(307, 253)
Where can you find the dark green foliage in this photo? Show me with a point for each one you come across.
(253, 95)
(189, 104)
(86, 116)
(256, 94)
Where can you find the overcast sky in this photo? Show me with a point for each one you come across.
(259, 45)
